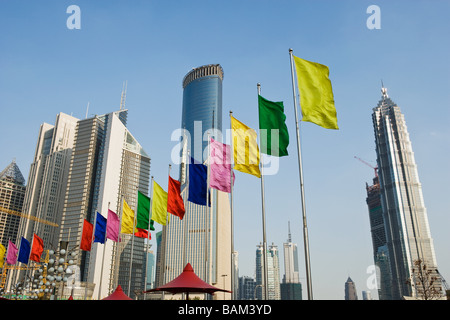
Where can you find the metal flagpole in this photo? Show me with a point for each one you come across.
(233, 296)
(148, 241)
(300, 171)
(206, 220)
(266, 276)
(118, 244)
(132, 241)
(103, 261)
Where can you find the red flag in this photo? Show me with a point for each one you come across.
(142, 233)
(86, 237)
(37, 249)
(175, 204)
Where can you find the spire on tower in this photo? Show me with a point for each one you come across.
(124, 95)
(383, 90)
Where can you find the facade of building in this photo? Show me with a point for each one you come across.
(379, 243)
(47, 180)
(350, 290)
(247, 288)
(290, 286)
(12, 193)
(108, 166)
(203, 237)
(405, 217)
(273, 273)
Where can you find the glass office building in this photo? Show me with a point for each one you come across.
(203, 237)
(405, 217)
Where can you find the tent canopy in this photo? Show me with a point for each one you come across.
(187, 281)
(118, 294)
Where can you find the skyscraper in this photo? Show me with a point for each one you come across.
(12, 192)
(47, 179)
(350, 290)
(405, 217)
(290, 286)
(273, 272)
(203, 237)
(108, 165)
(379, 242)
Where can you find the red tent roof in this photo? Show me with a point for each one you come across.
(188, 281)
(117, 295)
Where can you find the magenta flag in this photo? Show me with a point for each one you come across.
(220, 166)
(112, 226)
(11, 257)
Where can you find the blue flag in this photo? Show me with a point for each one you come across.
(100, 229)
(198, 175)
(24, 251)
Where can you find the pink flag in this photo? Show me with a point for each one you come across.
(220, 166)
(11, 257)
(112, 226)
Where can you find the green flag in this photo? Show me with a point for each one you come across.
(143, 211)
(316, 94)
(273, 130)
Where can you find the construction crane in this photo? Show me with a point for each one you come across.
(27, 216)
(368, 164)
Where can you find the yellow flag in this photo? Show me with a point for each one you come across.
(159, 205)
(245, 148)
(2, 255)
(316, 94)
(127, 219)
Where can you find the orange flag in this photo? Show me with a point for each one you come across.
(86, 237)
(142, 233)
(175, 204)
(37, 249)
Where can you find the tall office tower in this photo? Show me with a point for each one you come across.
(246, 288)
(202, 112)
(47, 180)
(107, 166)
(405, 216)
(12, 192)
(379, 243)
(273, 272)
(290, 286)
(203, 237)
(350, 290)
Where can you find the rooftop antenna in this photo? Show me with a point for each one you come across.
(383, 90)
(289, 232)
(87, 110)
(124, 95)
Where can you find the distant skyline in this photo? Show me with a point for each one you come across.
(47, 68)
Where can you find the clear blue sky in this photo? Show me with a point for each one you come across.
(45, 68)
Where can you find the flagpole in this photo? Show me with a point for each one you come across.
(132, 241)
(231, 214)
(266, 277)
(300, 171)
(103, 261)
(206, 220)
(148, 241)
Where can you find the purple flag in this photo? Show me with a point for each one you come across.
(220, 166)
(112, 226)
(11, 257)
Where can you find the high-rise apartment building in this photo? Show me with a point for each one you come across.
(273, 273)
(12, 192)
(47, 180)
(203, 237)
(290, 286)
(350, 290)
(107, 166)
(405, 217)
